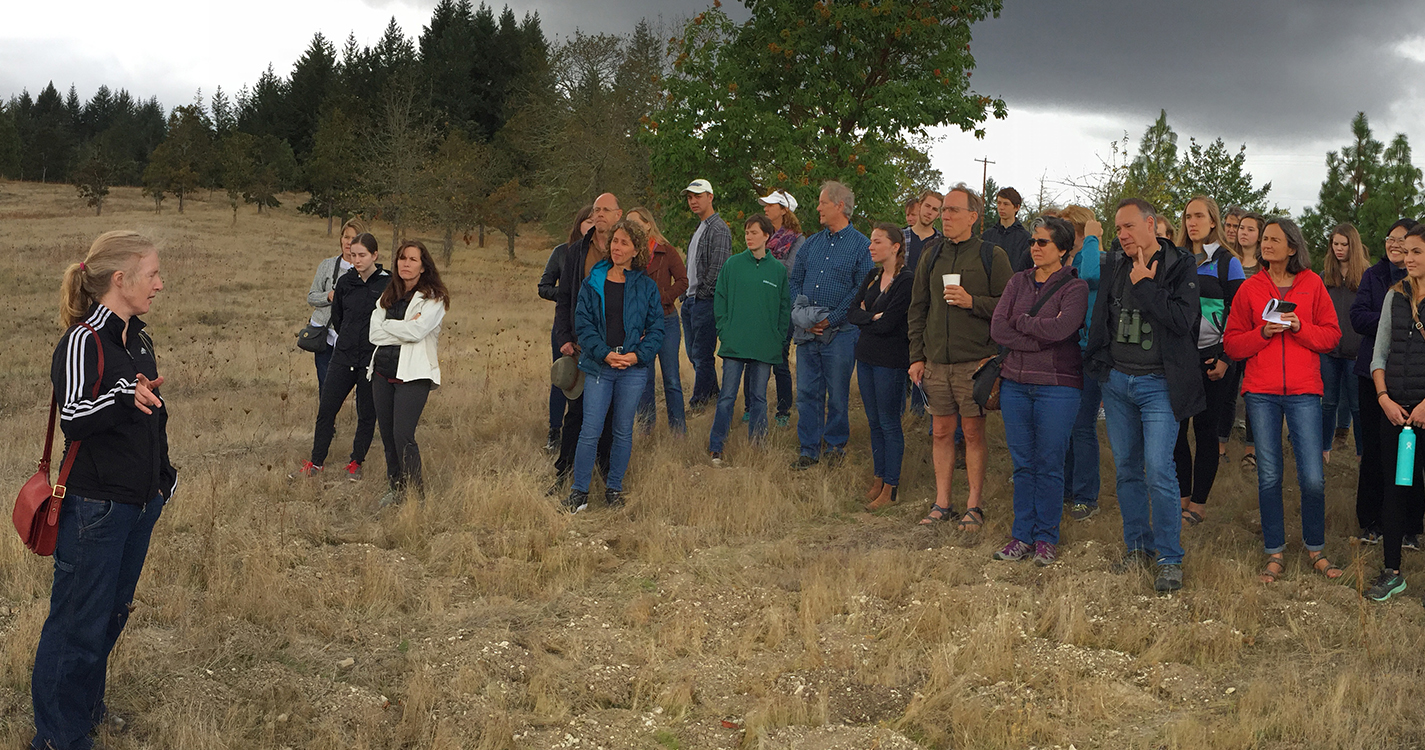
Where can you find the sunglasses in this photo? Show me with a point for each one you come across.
(1041, 242)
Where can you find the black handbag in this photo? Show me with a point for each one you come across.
(313, 338)
(987, 376)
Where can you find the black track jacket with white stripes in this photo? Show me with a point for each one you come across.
(123, 456)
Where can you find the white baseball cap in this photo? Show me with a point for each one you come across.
(698, 186)
(781, 198)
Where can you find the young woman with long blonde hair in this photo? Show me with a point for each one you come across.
(1345, 263)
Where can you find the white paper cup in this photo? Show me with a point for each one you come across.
(951, 279)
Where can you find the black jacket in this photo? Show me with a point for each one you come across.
(1170, 302)
(553, 269)
(1014, 239)
(884, 342)
(351, 316)
(566, 297)
(123, 456)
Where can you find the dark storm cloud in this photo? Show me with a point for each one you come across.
(1269, 69)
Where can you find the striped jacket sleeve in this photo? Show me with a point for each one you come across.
(74, 372)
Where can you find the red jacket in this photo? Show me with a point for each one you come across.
(1289, 363)
(665, 266)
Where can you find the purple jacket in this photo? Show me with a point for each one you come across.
(1043, 350)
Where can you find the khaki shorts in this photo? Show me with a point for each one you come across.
(949, 389)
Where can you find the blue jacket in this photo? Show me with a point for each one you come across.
(1088, 262)
(1365, 311)
(642, 319)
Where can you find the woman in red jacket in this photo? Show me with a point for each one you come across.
(1282, 381)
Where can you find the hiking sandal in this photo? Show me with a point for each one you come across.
(1268, 575)
(973, 519)
(1249, 462)
(1192, 518)
(1319, 558)
(937, 514)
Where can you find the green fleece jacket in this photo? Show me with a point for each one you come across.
(753, 308)
(945, 334)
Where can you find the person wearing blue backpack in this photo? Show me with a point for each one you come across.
(620, 327)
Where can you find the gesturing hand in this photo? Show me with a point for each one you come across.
(144, 396)
(1143, 268)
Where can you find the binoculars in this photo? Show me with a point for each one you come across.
(1132, 329)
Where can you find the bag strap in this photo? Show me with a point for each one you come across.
(69, 455)
(1043, 298)
(336, 270)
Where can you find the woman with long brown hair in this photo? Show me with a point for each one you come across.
(106, 386)
(404, 369)
(665, 267)
(1342, 275)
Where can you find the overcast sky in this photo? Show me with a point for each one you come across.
(1283, 76)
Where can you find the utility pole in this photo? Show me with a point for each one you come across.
(984, 182)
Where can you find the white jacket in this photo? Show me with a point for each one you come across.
(417, 339)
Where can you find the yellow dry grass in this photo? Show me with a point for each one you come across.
(748, 607)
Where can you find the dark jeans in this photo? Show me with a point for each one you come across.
(1302, 415)
(1081, 467)
(700, 332)
(668, 365)
(883, 395)
(824, 391)
(1141, 433)
(556, 396)
(782, 374)
(97, 562)
(733, 373)
(569, 440)
(1339, 395)
(1403, 506)
(1196, 474)
(1038, 421)
(341, 378)
(1370, 481)
(398, 411)
(323, 360)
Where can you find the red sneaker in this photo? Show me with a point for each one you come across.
(308, 469)
(353, 471)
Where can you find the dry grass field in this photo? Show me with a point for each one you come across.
(743, 607)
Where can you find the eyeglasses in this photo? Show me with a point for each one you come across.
(1041, 242)
(1394, 240)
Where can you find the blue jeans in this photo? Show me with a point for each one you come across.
(732, 374)
(97, 562)
(1303, 422)
(883, 395)
(700, 330)
(323, 359)
(782, 373)
(672, 382)
(824, 392)
(1341, 395)
(612, 394)
(1038, 420)
(557, 402)
(1081, 479)
(1142, 433)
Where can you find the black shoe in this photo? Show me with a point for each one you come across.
(1132, 560)
(1411, 542)
(551, 444)
(576, 501)
(613, 498)
(1387, 584)
(803, 463)
(1170, 578)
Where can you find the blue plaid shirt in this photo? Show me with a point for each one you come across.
(829, 270)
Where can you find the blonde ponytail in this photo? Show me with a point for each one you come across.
(87, 282)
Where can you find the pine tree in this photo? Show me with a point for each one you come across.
(1353, 176)
(224, 116)
(448, 53)
(313, 80)
(331, 171)
(9, 143)
(49, 148)
(101, 165)
(179, 164)
(1152, 174)
(264, 111)
(1211, 171)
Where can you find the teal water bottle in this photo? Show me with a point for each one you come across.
(1405, 458)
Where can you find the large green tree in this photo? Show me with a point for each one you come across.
(331, 174)
(803, 93)
(1367, 185)
(178, 165)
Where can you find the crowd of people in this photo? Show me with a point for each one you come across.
(1157, 336)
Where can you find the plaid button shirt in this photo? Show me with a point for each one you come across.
(829, 270)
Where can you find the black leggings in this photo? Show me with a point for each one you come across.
(1196, 474)
(398, 411)
(341, 378)
(1402, 507)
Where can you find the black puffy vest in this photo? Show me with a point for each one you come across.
(1405, 366)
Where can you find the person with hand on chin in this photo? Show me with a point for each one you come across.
(1397, 364)
(1143, 349)
(619, 323)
